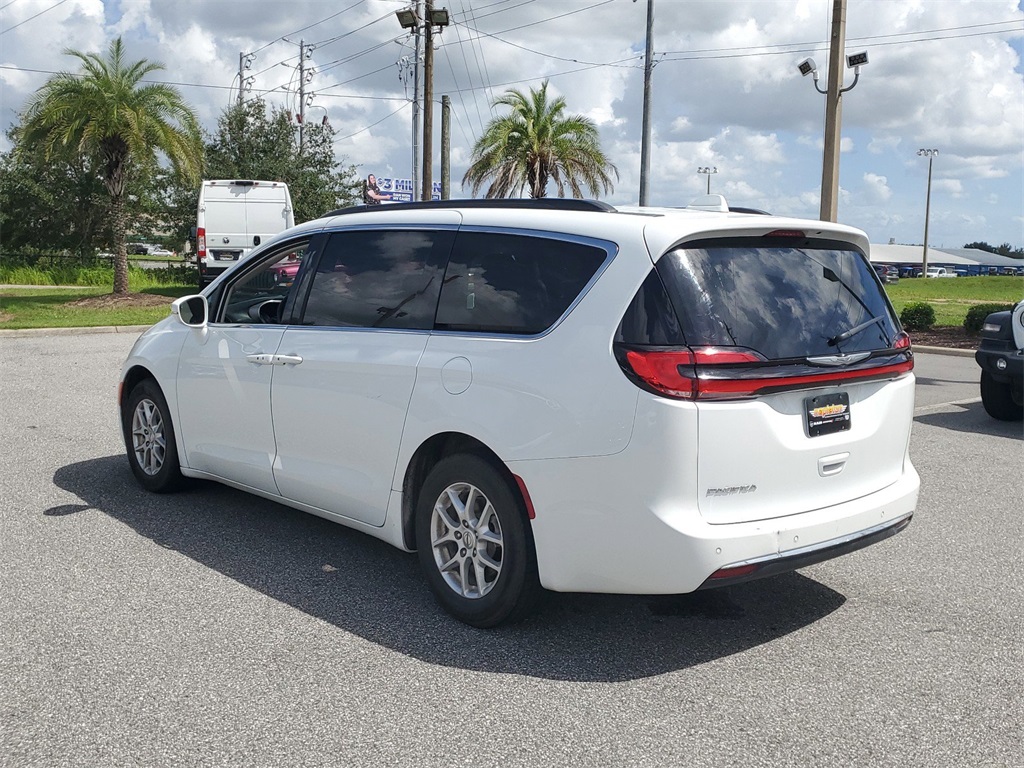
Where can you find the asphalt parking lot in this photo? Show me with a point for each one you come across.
(215, 628)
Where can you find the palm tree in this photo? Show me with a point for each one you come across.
(535, 143)
(105, 112)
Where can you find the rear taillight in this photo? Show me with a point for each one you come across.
(669, 372)
(201, 242)
(725, 373)
(902, 341)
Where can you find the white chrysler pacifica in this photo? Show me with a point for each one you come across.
(547, 394)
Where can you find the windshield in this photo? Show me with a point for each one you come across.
(784, 302)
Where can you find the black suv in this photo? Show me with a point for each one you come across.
(1001, 357)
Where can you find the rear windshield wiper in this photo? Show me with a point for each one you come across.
(855, 330)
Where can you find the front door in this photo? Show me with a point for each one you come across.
(225, 372)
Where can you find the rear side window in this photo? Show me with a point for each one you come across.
(783, 301)
(516, 284)
(378, 279)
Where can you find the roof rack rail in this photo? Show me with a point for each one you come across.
(540, 203)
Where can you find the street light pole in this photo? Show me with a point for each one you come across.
(708, 171)
(833, 107)
(930, 154)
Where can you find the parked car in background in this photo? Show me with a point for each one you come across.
(910, 271)
(887, 274)
(940, 272)
(161, 252)
(1001, 357)
(546, 393)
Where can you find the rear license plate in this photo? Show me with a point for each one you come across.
(827, 414)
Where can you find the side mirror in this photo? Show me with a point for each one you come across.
(192, 311)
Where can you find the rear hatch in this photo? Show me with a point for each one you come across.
(797, 365)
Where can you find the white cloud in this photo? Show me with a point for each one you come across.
(725, 91)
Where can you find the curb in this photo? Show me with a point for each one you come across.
(28, 332)
(951, 351)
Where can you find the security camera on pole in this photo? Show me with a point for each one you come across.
(833, 106)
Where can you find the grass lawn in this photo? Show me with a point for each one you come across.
(51, 308)
(952, 297)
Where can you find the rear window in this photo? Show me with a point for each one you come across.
(783, 301)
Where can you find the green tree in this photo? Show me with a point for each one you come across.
(253, 143)
(50, 205)
(536, 142)
(108, 115)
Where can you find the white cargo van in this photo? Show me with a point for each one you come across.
(235, 216)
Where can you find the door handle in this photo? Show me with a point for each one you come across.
(260, 359)
(287, 359)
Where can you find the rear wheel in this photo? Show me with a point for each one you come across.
(997, 397)
(474, 543)
(149, 439)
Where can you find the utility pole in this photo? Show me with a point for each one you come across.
(241, 77)
(416, 77)
(302, 92)
(930, 154)
(428, 102)
(446, 147)
(833, 114)
(645, 140)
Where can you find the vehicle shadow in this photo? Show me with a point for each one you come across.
(971, 417)
(364, 586)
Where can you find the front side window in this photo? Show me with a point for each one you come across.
(516, 284)
(781, 301)
(259, 296)
(379, 279)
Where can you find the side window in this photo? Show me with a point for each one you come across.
(517, 284)
(260, 295)
(379, 279)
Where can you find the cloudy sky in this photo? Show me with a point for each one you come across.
(943, 74)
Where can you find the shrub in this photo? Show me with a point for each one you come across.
(919, 316)
(976, 315)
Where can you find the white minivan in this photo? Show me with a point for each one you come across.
(548, 393)
(234, 217)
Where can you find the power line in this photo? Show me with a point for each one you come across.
(26, 21)
(371, 125)
(309, 26)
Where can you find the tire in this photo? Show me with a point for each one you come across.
(149, 439)
(494, 579)
(997, 397)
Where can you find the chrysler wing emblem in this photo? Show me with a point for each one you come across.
(836, 361)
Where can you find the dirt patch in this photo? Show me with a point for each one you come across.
(5, 316)
(954, 336)
(117, 300)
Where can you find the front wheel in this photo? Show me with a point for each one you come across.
(997, 397)
(474, 544)
(149, 439)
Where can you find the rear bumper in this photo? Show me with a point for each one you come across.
(608, 540)
(818, 553)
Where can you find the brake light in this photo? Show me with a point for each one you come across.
(201, 242)
(670, 372)
(723, 373)
(786, 233)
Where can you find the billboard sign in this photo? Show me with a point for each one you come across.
(401, 190)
